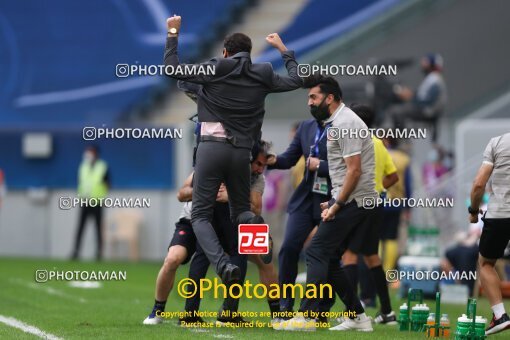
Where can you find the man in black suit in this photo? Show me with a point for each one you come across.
(231, 110)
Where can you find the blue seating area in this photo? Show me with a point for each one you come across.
(58, 58)
(336, 18)
(58, 74)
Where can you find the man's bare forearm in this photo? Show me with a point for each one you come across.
(185, 194)
(389, 180)
(350, 182)
(478, 189)
(476, 195)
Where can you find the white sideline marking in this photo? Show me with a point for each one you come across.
(85, 284)
(9, 321)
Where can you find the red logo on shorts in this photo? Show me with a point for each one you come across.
(253, 239)
(182, 232)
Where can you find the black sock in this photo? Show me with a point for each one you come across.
(274, 307)
(382, 288)
(342, 287)
(351, 271)
(158, 305)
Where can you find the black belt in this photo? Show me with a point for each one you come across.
(213, 139)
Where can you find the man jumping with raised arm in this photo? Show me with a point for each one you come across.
(231, 110)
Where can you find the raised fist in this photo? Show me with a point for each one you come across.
(174, 22)
(274, 40)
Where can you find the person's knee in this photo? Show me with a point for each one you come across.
(174, 258)
(485, 262)
(349, 257)
(201, 215)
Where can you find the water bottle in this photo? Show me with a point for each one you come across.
(404, 317)
(463, 325)
(415, 318)
(445, 322)
(431, 322)
(480, 326)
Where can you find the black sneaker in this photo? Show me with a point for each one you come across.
(498, 325)
(386, 319)
(230, 274)
(322, 319)
(190, 321)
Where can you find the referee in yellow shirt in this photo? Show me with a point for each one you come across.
(365, 240)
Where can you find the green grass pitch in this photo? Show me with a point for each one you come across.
(117, 309)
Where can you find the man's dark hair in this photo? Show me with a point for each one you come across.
(237, 42)
(328, 85)
(260, 147)
(365, 112)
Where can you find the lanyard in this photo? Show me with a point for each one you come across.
(318, 138)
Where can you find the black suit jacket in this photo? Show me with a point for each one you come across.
(300, 146)
(236, 93)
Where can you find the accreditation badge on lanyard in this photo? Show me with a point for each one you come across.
(320, 184)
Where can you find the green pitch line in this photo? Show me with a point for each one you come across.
(117, 309)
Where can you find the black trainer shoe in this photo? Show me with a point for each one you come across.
(230, 274)
(322, 319)
(223, 321)
(386, 319)
(190, 320)
(498, 325)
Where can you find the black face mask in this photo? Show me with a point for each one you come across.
(320, 112)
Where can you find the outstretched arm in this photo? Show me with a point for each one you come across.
(291, 156)
(197, 73)
(292, 81)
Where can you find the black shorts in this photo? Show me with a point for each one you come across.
(495, 237)
(365, 237)
(390, 222)
(463, 258)
(184, 236)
